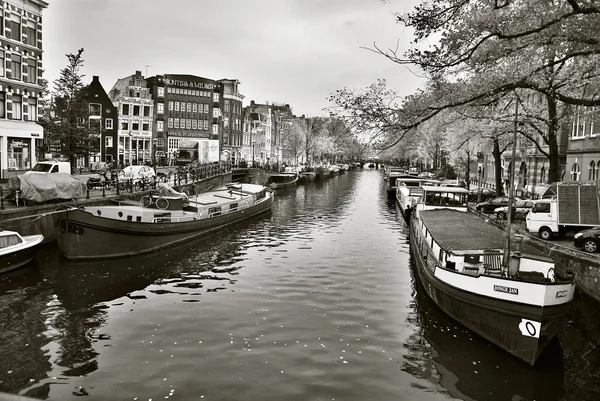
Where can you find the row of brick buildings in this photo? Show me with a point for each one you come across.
(141, 119)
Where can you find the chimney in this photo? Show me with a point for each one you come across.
(96, 78)
(252, 103)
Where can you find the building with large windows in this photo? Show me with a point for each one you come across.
(20, 74)
(186, 107)
(135, 106)
(232, 134)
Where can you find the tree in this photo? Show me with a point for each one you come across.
(67, 125)
(495, 49)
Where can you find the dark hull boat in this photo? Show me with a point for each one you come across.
(101, 232)
(16, 250)
(282, 181)
(519, 307)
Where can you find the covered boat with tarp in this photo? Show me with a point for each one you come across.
(40, 187)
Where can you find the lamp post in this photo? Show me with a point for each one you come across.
(253, 143)
(154, 142)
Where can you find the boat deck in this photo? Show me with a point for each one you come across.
(462, 231)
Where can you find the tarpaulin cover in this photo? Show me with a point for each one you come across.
(39, 187)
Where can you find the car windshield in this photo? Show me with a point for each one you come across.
(42, 167)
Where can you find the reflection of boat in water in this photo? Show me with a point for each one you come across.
(17, 250)
(469, 367)
(101, 232)
(307, 175)
(519, 305)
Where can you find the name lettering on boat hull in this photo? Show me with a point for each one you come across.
(508, 290)
(561, 294)
(530, 328)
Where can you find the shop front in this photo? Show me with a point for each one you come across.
(18, 151)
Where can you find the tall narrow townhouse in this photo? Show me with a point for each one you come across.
(232, 130)
(102, 116)
(583, 149)
(20, 90)
(135, 105)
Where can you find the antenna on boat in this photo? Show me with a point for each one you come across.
(511, 190)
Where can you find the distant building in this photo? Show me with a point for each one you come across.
(185, 107)
(103, 115)
(232, 132)
(20, 90)
(135, 106)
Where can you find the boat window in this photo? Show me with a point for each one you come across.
(233, 207)
(9, 240)
(129, 218)
(214, 211)
(138, 218)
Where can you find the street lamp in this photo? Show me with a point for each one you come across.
(253, 143)
(154, 144)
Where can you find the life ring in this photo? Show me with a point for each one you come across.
(162, 203)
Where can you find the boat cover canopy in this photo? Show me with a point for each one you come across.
(46, 187)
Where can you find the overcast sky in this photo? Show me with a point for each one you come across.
(287, 51)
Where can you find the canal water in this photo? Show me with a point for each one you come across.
(316, 301)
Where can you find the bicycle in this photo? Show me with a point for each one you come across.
(156, 200)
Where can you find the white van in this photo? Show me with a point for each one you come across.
(50, 167)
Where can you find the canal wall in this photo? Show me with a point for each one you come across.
(585, 267)
(44, 219)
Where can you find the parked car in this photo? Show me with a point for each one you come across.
(486, 193)
(492, 204)
(588, 240)
(519, 211)
(137, 173)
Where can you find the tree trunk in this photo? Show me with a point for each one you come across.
(554, 168)
(497, 166)
(468, 173)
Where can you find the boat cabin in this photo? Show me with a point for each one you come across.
(436, 197)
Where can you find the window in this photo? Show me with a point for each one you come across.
(146, 111)
(2, 63)
(135, 126)
(125, 125)
(95, 123)
(575, 172)
(189, 107)
(592, 171)
(206, 109)
(578, 129)
(188, 124)
(159, 125)
(145, 126)
(15, 66)
(17, 107)
(176, 106)
(171, 105)
(108, 123)
(161, 92)
(108, 141)
(195, 107)
(226, 122)
(215, 97)
(32, 103)
(227, 105)
(543, 175)
(31, 71)
(170, 123)
(160, 108)
(136, 110)
(31, 33)
(194, 124)
(206, 125)
(2, 105)
(125, 108)
(215, 130)
(160, 142)
(176, 123)
(215, 112)
(169, 90)
(95, 109)
(15, 28)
